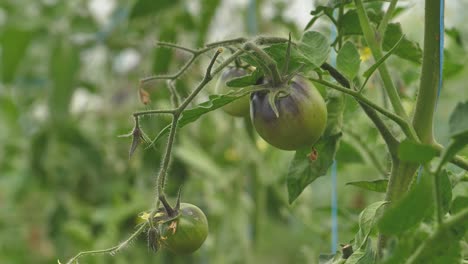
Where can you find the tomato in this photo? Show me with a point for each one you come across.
(239, 107)
(187, 232)
(302, 115)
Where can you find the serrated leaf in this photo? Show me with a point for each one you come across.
(458, 122)
(348, 60)
(408, 50)
(303, 171)
(367, 221)
(376, 185)
(246, 80)
(14, 42)
(412, 208)
(315, 47)
(411, 151)
(191, 115)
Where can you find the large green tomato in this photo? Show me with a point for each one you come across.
(239, 107)
(186, 233)
(302, 116)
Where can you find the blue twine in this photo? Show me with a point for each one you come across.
(334, 195)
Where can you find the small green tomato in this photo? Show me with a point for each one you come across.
(186, 233)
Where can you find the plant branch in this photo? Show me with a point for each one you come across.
(375, 47)
(423, 120)
(156, 111)
(161, 179)
(111, 250)
(271, 64)
(397, 119)
(388, 137)
(386, 18)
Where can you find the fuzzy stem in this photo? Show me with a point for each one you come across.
(109, 250)
(271, 64)
(423, 120)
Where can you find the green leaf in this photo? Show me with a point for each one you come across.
(246, 80)
(331, 258)
(459, 203)
(191, 115)
(458, 121)
(315, 47)
(415, 152)
(14, 42)
(64, 66)
(303, 170)
(362, 256)
(376, 185)
(407, 50)
(367, 221)
(335, 108)
(347, 153)
(350, 23)
(278, 53)
(376, 65)
(348, 60)
(143, 8)
(409, 211)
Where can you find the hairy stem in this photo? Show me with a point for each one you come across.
(271, 64)
(110, 250)
(427, 95)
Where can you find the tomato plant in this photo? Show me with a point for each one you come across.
(352, 87)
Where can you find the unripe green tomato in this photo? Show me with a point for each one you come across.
(185, 234)
(302, 116)
(239, 107)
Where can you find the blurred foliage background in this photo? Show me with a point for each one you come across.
(69, 82)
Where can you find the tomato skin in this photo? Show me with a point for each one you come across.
(187, 233)
(302, 116)
(239, 107)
